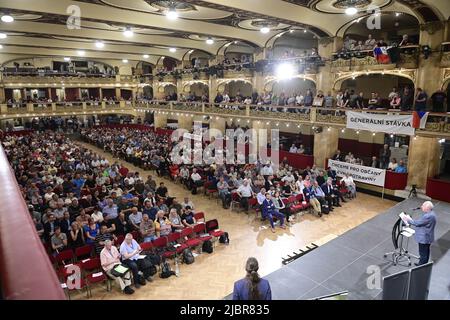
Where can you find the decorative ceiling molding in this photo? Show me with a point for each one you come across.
(239, 13)
(421, 9)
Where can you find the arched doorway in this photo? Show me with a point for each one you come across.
(196, 90)
(235, 88)
(291, 86)
(147, 92)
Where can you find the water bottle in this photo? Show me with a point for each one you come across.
(177, 268)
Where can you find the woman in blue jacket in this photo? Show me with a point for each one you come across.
(252, 287)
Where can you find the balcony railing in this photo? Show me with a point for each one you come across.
(407, 57)
(15, 110)
(438, 123)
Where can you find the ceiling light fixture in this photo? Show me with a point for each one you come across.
(81, 52)
(209, 41)
(67, 59)
(146, 56)
(7, 18)
(128, 32)
(305, 31)
(173, 50)
(265, 30)
(397, 14)
(1, 47)
(125, 60)
(99, 44)
(172, 14)
(351, 11)
(3, 36)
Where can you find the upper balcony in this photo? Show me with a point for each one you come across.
(401, 57)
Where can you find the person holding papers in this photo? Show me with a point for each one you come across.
(424, 231)
(110, 260)
(131, 257)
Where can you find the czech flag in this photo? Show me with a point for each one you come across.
(381, 55)
(420, 119)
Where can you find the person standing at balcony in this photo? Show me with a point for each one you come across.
(308, 98)
(421, 100)
(385, 155)
(360, 101)
(370, 43)
(407, 99)
(438, 99)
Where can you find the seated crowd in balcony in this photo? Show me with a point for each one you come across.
(379, 48)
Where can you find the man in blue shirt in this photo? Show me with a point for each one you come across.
(401, 167)
(78, 182)
(424, 231)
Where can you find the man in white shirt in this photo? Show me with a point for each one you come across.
(293, 149)
(196, 181)
(245, 192)
(288, 178)
(267, 170)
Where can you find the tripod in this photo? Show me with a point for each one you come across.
(400, 240)
(413, 192)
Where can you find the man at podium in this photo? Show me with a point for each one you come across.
(424, 231)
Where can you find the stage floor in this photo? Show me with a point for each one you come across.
(341, 264)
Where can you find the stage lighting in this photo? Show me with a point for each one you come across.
(426, 50)
(284, 71)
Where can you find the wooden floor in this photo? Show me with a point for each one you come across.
(212, 275)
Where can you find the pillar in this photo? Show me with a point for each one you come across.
(118, 95)
(212, 87)
(423, 160)
(2, 94)
(184, 122)
(325, 145)
(100, 94)
(431, 34)
(217, 123)
(160, 120)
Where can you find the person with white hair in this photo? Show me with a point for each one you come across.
(424, 227)
(110, 259)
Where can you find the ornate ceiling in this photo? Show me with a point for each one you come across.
(40, 27)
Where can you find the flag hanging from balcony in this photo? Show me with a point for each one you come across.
(420, 119)
(381, 55)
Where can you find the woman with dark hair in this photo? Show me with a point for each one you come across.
(252, 287)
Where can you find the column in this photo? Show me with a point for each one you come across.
(325, 145)
(184, 122)
(100, 94)
(431, 34)
(423, 160)
(2, 94)
(160, 120)
(326, 48)
(217, 123)
(118, 95)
